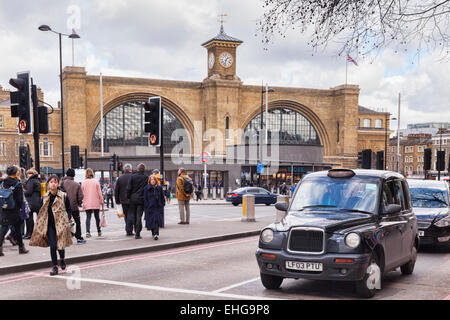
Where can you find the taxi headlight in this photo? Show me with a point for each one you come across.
(352, 240)
(445, 222)
(267, 235)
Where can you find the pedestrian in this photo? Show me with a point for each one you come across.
(52, 224)
(43, 183)
(120, 193)
(33, 197)
(10, 213)
(156, 173)
(198, 191)
(166, 190)
(109, 195)
(135, 192)
(154, 206)
(92, 201)
(184, 191)
(283, 189)
(73, 190)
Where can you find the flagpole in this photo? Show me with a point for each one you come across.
(346, 69)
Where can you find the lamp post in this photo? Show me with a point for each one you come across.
(72, 36)
(266, 90)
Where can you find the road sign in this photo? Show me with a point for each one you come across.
(23, 125)
(260, 168)
(152, 139)
(204, 157)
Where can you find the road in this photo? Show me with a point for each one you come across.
(220, 270)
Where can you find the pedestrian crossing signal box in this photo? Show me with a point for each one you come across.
(152, 120)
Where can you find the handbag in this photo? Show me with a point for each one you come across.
(103, 220)
(120, 213)
(72, 226)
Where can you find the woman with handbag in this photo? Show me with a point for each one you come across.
(52, 227)
(154, 203)
(92, 201)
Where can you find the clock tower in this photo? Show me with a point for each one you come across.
(221, 59)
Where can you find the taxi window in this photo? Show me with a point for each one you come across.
(393, 193)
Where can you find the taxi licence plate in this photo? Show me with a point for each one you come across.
(421, 233)
(304, 266)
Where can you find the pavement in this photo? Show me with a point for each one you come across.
(114, 242)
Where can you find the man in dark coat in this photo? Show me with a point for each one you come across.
(135, 193)
(11, 217)
(33, 196)
(120, 194)
(75, 195)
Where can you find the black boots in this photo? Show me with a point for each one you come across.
(1, 252)
(62, 264)
(54, 271)
(23, 250)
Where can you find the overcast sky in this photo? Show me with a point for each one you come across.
(162, 39)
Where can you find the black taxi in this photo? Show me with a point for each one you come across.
(342, 224)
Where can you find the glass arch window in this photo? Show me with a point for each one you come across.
(294, 128)
(123, 126)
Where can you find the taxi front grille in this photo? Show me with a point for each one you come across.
(306, 240)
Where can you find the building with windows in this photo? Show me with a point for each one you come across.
(302, 129)
(10, 140)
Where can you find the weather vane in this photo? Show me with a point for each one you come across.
(222, 21)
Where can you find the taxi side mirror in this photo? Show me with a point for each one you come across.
(282, 206)
(392, 209)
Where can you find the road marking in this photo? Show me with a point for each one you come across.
(236, 285)
(447, 298)
(157, 288)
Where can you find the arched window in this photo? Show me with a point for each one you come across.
(227, 127)
(123, 126)
(292, 126)
(367, 123)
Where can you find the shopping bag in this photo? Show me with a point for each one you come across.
(103, 220)
(120, 213)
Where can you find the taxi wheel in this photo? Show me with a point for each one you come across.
(235, 204)
(366, 288)
(271, 282)
(408, 268)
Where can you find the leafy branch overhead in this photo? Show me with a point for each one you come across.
(361, 26)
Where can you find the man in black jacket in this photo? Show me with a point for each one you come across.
(33, 196)
(11, 217)
(120, 194)
(135, 194)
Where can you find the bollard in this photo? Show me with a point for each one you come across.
(221, 193)
(248, 208)
(214, 192)
(281, 214)
(205, 193)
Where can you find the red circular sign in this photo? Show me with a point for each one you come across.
(152, 139)
(204, 157)
(22, 125)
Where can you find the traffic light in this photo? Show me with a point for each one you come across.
(152, 120)
(20, 102)
(119, 166)
(23, 158)
(43, 119)
(427, 159)
(380, 160)
(114, 162)
(440, 162)
(74, 157)
(81, 162)
(367, 159)
(360, 159)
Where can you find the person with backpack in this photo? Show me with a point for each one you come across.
(11, 201)
(185, 188)
(135, 192)
(109, 195)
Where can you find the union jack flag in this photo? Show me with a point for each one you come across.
(350, 59)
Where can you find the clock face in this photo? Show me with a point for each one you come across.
(226, 60)
(211, 60)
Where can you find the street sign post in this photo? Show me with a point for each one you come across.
(204, 157)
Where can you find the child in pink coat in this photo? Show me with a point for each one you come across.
(92, 201)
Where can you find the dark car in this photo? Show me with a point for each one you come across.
(342, 225)
(430, 201)
(262, 196)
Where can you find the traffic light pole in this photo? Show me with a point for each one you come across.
(161, 148)
(34, 98)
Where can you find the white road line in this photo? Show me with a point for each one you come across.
(157, 288)
(236, 285)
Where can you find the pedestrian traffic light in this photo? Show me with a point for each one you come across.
(427, 159)
(20, 102)
(75, 157)
(367, 159)
(152, 120)
(359, 159)
(23, 156)
(380, 160)
(440, 162)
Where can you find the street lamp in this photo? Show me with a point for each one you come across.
(266, 90)
(72, 36)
